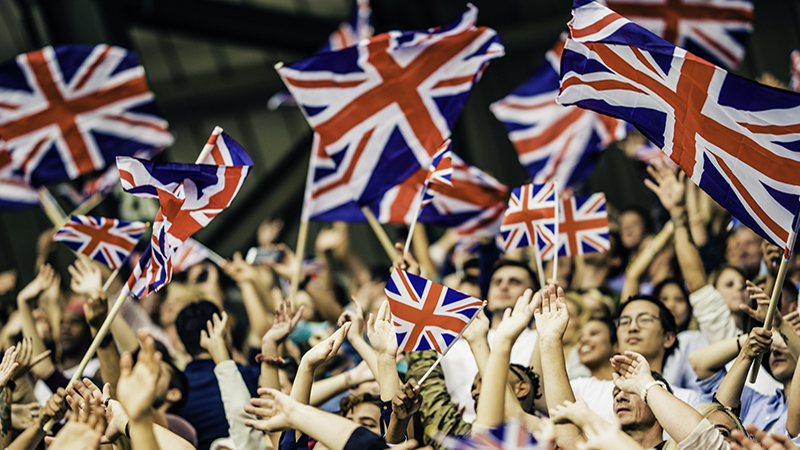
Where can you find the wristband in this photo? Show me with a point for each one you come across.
(738, 344)
(107, 340)
(647, 388)
(128, 429)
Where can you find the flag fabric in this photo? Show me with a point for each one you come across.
(733, 137)
(189, 253)
(190, 196)
(70, 110)
(381, 108)
(794, 66)
(427, 315)
(530, 206)
(109, 241)
(225, 151)
(440, 172)
(511, 435)
(358, 27)
(553, 141)
(582, 228)
(715, 30)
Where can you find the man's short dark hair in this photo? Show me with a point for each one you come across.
(512, 263)
(665, 316)
(658, 377)
(527, 375)
(191, 321)
(177, 379)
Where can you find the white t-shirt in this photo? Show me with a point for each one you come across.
(460, 368)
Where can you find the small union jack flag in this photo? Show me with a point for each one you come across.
(529, 207)
(440, 172)
(794, 66)
(109, 241)
(70, 110)
(715, 30)
(582, 228)
(512, 435)
(224, 151)
(381, 108)
(735, 138)
(427, 315)
(190, 253)
(553, 141)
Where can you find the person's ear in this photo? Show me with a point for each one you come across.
(669, 339)
(522, 389)
(174, 395)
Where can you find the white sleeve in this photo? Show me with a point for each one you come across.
(235, 396)
(712, 314)
(704, 437)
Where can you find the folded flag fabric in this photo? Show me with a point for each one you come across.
(530, 206)
(427, 315)
(69, 110)
(381, 108)
(553, 141)
(511, 435)
(582, 228)
(190, 253)
(109, 241)
(735, 138)
(225, 151)
(440, 172)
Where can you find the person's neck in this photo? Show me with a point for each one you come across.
(647, 438)
(497, 317)
(787, 385)
(656, 362)
(602, 371)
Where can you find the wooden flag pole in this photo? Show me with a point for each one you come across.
(417, 210)
(438, 360)
(54, 212)
(555, 238)
(87, 205)
(380, 233)
(302, 237)
(209, 146)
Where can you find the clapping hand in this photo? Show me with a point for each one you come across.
(326, 349)
(551, 315)
(668, 186)
(43, 280)
(85, 427)
(516, 320)
(356, 318)
(87, 279)
(276, 412)
(212, 339)
(8, 365)
(25, 359)
(632, 372)
(283, 325)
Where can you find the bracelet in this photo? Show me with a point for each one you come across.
(276, 361)
(738, 344)
(649, 385)
(128, 429)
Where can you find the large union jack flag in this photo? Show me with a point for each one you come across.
(530, 206)
(70, 110)
(715, 30)
(109, 241)
(582, 228)
(427, 315)
(735, 138)
(381, 108)
(554, 142)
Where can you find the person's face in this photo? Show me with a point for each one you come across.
(672, 297)
(730, 285)
(632, 412)
(367, 415)
(507, 285)
(631, 229)
(476, 389)
(644, 333)
(744, 249)
(594, 305)
(780, 360)
(594, 344)
(723, 423)
(74, 331)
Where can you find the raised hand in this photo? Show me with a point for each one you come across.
(405, 262)
(25, 359)
(95, 310)
(54, 408)
(7, 365)
(85, 427)
(240, 271)
(137, 384)
(576, 412)
(551, 315)
(115, 414)
(759, 341)
(213, 338)
(793, 319)
(356, 318)
(8, 280)
(284, 323)
(87, 279)
(478, 329)
(762, 304)
(632, 372)
(406, 400)
(380, 332)
(769, 441)
(276, 412)
(668, 186)
(284, 267)
(326, 349)
(43, 280)
(333, 239)
(268, 231)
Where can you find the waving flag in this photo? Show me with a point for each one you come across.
(735, 138)
(190, 253)
(225, 151)
(348, 34)
(109, 241)
(381, 108)
(511, 435)
(553, 141)
(427, 315)
(582, 227)
(715, 30)
(70, 110)
(529, 207)
(440, 172)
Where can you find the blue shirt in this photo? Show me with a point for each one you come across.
(767, 412)
(203, 408)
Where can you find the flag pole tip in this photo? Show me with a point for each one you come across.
(278, 65)
(147, 224)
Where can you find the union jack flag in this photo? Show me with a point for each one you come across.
(735, 138)
(794, 81)
(109, 241)
(70, 110)
(715, 30)
(348, 34)
(381, 108)
(224, 151)
(512, 435)
(427, 315)
(440, 172)
(553, 141)
(582, 228)
(529, 207)
(190, 253)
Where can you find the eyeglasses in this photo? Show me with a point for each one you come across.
(643, 320)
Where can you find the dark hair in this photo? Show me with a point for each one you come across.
(289, 366)
(677, 282)
(512, 263)
(647, 220)
(177, 379)
(609, 323)
(527, 375)
(191, 321)
(665, 316)
(658, 377)
(351, 401)
(469, 279)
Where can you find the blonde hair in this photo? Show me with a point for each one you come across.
(706, 409)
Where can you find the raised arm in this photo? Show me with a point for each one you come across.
(713, 357)
(281, 328)
(356, 335)
(325, 350)
(7, 366)
(259, 309)
(43, 280)
(136, 392)
(637, 268)
(730, 390)
(380, 331)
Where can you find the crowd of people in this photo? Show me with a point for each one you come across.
(648, 345)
